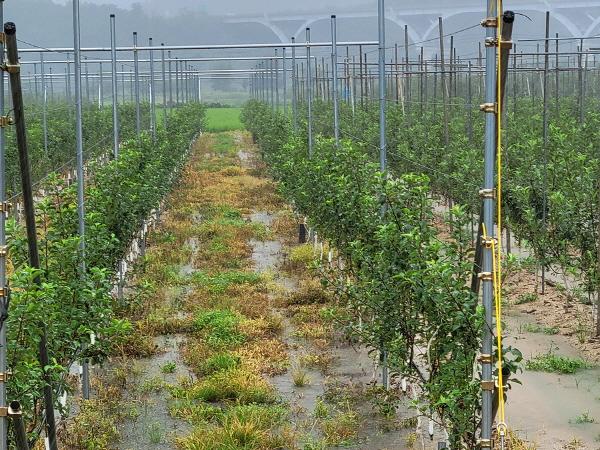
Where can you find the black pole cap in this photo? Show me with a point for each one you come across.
(112, 16)
(333, 16)
(508, 17)
(10, 28)
(15, 405)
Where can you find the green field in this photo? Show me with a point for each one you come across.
(223, 119)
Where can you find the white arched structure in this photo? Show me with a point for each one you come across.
(559, 11)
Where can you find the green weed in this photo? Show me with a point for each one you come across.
(154, 384)
(169, 367)
(219, 362)
(220, 328)
(536, 328)
(583, 418)
(526, 298)
(238, 385)
(155, 433)
(550, 362)
(218, 283)
(341, 429)
(300, 377)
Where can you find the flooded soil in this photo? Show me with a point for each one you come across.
(151, 426)
(552, 409)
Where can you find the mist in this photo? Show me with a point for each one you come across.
(188, 22)
(240, 21)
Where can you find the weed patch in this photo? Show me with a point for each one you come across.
(219, 362)
(550, 362)
(220, 282)
(536, 328)
(220, 328)
(237, 385)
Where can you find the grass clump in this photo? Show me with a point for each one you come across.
(301, 256)
(243, 427)
(220, 282)
(300, 376)
(341, 429)
(550, 362)
(153, 384)
(321, 410)
(321, 361)
(195, 412)
(136, 345)
(536, 328)
(169, 367)
(93, 427)
(223, 144)
(315, 445)
(155, 433)
(237, 384)
(583, 418)
(526, 298)
(219, 362)
(220, 328)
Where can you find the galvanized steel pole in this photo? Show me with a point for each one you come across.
(272, 84)
(170, 81)
(152, 95)
(68, 79)
(285, 96)
(294, 87)
(177, 81)
(115, 102)
(545, 144)
(136, 70)
(382, 141)
(276, 63)
(309, 93)
(4, 296)
(487, 193)
(44, 103)
(164, 85)
(334, 61)
(101, 89)
(443, 83)
(382, 90)
(85, 379)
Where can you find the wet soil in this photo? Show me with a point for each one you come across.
(547, 407)
(153, 427)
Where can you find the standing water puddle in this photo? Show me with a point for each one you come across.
(150, 426)
(568, 400)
